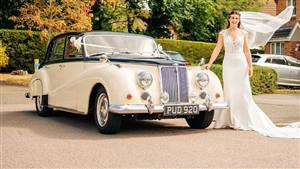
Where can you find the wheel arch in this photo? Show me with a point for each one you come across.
(92, 96)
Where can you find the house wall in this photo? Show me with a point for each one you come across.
(269, 8)
(289, 46)
(281, 5)
(289, 49)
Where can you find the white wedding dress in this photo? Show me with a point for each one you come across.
(243, 113)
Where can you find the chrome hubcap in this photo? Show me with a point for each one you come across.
(39, 103)
(102, 109)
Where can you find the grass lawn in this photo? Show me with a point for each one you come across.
(20, 80)
(287, 91)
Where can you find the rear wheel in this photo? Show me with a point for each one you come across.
(41, 109)
(200, 121)
(106, 122)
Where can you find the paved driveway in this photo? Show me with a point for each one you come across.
(69, 141)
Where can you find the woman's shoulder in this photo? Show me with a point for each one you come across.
(222, 32)
(244, 32)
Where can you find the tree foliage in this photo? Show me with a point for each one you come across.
(9, 8)
(199, 20)
(122, 15)
(51, 16)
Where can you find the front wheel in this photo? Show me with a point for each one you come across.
(41, 109)
(106, 122)
(200, 121)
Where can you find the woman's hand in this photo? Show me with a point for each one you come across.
(250, 72)
(206, 66)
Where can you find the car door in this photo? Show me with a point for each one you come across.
(52, 68)
(294, 66)
(70, 75)
(280, 65)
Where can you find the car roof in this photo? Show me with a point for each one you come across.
(102, 33)
(271, 55)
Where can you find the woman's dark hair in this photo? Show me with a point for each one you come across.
(234, 12)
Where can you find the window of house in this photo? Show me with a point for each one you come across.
(277, 48)
(292, 3)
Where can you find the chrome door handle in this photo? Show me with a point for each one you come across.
(61, 66)
(46, 66)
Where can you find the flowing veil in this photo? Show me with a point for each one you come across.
(261, 26)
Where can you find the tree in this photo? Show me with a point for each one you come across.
(9, 8)
(199, 20)
(51, 16)
(167, 16)
(122, 15)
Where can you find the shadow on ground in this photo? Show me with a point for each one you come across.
(65, 125)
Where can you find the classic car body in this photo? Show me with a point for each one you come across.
(121, 75)
(286, 67)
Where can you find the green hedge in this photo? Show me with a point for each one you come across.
(22, 48)
(192, 51)
(263, 79)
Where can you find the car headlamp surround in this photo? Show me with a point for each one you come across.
(202, 79)
(144, 79)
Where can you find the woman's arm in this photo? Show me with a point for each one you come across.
(247, 53)
(215, 53)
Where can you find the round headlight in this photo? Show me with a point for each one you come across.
(144, 79)
(202, 79)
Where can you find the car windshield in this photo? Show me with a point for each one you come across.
(293, 61)
(255, 58)
(175, 56)
(120, 46)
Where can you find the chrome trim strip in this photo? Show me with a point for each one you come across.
(218, 105)
(141, 108)
(65, 109)
(178, 84)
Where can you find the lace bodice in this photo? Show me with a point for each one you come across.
(231, 44)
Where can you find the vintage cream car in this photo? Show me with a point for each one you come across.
(120, 75)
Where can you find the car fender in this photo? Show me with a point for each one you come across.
(39, 82)
(118, 82)
(213, 89)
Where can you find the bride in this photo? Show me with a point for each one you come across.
(243, 113)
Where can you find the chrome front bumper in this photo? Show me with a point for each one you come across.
(141, 108)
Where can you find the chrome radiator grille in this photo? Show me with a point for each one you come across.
(175, 83)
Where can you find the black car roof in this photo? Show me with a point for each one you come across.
(101, 33)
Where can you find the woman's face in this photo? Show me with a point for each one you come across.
(234, 20)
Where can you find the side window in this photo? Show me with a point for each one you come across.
(279, 61)
(72, 51)
(255, 58)
(57, 51)
(268, 60)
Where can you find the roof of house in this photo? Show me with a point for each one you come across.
(283, 31)
(287, 32)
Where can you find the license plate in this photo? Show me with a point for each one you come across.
(173, 110)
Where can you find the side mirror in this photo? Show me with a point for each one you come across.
(103, 59)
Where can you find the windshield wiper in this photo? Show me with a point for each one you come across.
(99, 54)
(126, 52)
